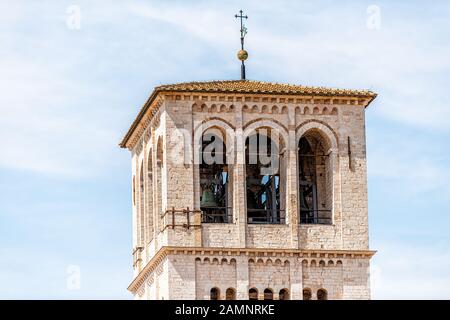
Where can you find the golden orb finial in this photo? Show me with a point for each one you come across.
(242, 55)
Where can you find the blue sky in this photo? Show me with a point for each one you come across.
(68, 95)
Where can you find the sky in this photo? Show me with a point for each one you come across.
(75, 73)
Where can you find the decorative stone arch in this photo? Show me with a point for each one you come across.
(149, 218)
(230, 294)
(322, 132)
(275, 109)
(134, 190)
(214, 293)
(195, 108)
(253, 293)
(322, 294)
(226, 132)
(278, 135)
(255, 124)
(159, 174)
(307, 294)
(316, 110)
(141, 204)
(327, 132)
(306, 110)
(284, 294)
(221, 124)
(268, 294)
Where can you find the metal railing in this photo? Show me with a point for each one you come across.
(312, 217)
(217, 214)
(269, 218)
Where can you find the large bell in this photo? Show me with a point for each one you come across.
(208, 199)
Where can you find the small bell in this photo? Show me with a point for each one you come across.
(208, 199)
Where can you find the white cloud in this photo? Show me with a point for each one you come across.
(401, 271)
(410, 78)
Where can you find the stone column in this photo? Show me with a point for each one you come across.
(242, 277)
(292, 181)
(296, 276)
(239, 192)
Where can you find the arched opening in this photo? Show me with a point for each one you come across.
(307, 294)
(215, 178)
(159, 168)
(141, 207)
(284, 294)
(265, 177)
(230, 294)
(322, 294)
(253, 294)
(134, 190)
(315, 179)
(268, 294)
(149, 196)
(214, 294)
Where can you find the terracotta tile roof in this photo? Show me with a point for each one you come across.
(243, 86)
(250, 86)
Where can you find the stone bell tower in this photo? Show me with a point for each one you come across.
(250, 190)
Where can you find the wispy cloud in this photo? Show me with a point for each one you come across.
(402, 271)
(68, 96)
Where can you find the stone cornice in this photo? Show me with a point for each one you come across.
(159, 95)
(250, 252)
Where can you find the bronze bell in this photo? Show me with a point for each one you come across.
(208, 199)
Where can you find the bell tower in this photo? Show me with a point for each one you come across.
(250, 190)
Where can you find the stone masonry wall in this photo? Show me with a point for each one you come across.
(178, 188)
(184, 276)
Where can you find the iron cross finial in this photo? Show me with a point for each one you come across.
(243, 28)
(242, 54)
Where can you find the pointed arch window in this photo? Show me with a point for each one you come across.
(149, 195)
(141, 219)
(315, 180)
(265, 178)
(215, 179)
